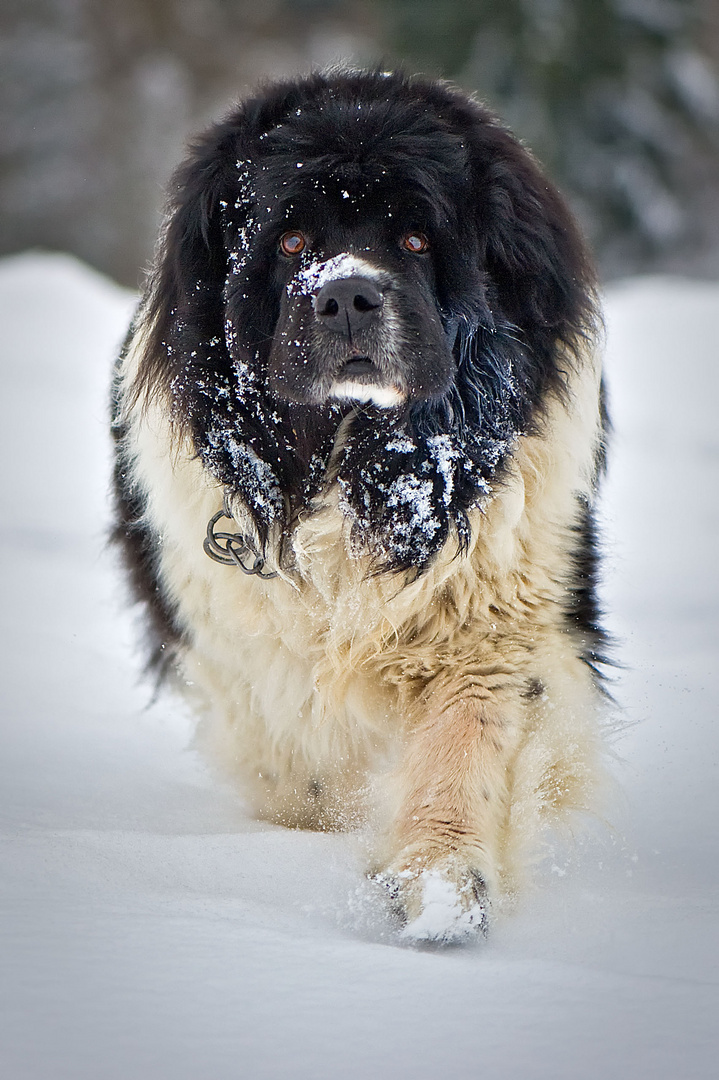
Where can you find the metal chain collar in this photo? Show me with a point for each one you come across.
(235, 548)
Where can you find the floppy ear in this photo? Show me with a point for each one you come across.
(210, 381)
(533, 250)
(183, 313)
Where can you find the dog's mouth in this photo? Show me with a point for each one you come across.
(359, 368)
(359, 379)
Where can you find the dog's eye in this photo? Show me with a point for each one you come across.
(292, 243)
(416, 242)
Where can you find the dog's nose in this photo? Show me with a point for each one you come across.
(347, 305)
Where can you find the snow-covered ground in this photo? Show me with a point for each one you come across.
(149, 928)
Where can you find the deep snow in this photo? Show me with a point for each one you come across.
(149, 928)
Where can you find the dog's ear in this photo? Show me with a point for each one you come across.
(534, 254)
(182, 318)
(189, 354)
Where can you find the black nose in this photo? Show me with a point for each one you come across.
(348, 305)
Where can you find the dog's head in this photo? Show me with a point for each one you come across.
(372, 247)
(361, 204)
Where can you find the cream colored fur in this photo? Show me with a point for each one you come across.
(453, 710)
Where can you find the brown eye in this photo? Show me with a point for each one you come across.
(292, 243)
(416, 242)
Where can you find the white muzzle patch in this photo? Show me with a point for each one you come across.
(387, 397)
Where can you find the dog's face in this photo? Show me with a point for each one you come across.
(363, 327)
(375, 250)
(354, 236)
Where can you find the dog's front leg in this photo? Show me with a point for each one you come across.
(453, 788)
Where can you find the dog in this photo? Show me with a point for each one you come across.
(360, 424)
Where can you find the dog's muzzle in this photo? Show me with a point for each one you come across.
(347, 307)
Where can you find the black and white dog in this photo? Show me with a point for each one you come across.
(359, 427)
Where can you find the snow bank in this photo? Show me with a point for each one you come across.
(150, 928)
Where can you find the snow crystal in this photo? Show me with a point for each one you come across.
(246, 376)
(401, 444)
(445, 455)
(238, 257)
(260, 484)
(416, 495)
(266, 493)
(244, 179)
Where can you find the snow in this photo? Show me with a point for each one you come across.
(315, 273)
(415, 496)
(441, 449)
(443, 917)
(151, 928)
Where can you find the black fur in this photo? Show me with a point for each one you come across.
(490, 317)
(138, 546)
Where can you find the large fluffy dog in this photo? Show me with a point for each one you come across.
(359, 427)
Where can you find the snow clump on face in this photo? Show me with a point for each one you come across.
(310, 279)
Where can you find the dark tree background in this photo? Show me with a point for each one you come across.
(98, 97)
(618, 98)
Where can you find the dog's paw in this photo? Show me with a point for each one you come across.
(441, 904)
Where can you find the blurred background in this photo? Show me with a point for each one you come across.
(618, 98)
